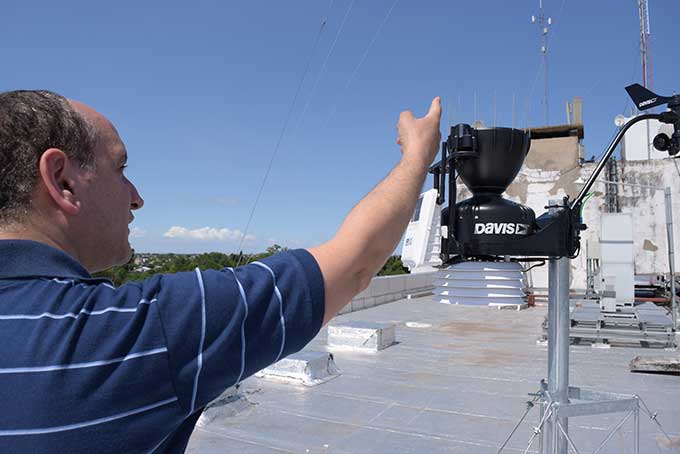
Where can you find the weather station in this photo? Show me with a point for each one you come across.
(488, 228)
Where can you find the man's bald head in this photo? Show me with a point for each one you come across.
(31, 122)
(105, 130)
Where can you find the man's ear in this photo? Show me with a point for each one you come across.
(58, 175)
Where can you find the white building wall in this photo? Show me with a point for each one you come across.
(637, 143)
(647, 208)
(645, 205)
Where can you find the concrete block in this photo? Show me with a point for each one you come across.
(364, 293)
(414, 282)
(662, 364)
(371, 287)
(228, 404)
(308, 368)
(379, 286)
(510, 306)
(601, 345)
(397, 284)
(382, 299)
(428, 279)
(363, 336)
(358, 304)
(369, 302)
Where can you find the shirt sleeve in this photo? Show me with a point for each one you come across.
(223, 326)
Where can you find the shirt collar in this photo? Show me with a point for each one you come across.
(30, 259)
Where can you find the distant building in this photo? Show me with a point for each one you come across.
(637, 143)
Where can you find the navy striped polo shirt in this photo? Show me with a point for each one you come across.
(88, 367)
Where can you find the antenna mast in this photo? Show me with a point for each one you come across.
(645, 36)
(543, 24)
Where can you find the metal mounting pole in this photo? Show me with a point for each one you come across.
(671, 254)
(558, 349)
(558, 345)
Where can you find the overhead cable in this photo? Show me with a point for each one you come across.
(323, 66)
(361, 62)
(283, 131)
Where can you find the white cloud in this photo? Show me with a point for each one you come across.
(136, 232)
(225, 201)
(206, 234)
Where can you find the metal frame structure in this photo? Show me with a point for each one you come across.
(556, 396)
(670, 241)
(562, 224)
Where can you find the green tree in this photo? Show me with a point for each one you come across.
(393, 266)
(175, 263)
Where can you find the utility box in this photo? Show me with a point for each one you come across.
(422, 241)
(617, 266)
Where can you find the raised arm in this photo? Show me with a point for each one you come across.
(372, 230)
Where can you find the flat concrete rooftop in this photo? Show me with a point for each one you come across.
(458, 385)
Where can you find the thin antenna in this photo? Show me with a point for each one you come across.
(645, 35)
(448, 112)
(649, 48)
(543, 24)
(643, 7)
(494, 109)
(458, 112)
(474, 117)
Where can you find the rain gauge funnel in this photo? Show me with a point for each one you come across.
(494, 159)
(487, 160)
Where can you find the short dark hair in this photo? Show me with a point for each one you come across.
(32, 121)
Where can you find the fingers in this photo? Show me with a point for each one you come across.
(406, 115)
(407, 120)
(435, 108)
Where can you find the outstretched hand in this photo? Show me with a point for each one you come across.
(419, 137)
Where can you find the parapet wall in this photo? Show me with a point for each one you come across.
(385, 289)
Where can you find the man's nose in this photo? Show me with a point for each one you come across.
(136, 201)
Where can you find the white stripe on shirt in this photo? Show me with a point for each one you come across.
(74, 315)
(73, 282)
(105, 362)
(199, 358)
(243, 326)
(278, 296)
(80, 425)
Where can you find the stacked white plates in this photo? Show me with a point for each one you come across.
(481, 284)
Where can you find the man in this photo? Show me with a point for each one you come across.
(86, 367)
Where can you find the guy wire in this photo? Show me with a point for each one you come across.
(351, 77)
(323, 66)
(278, 143)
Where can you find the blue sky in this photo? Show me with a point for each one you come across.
(200, 91)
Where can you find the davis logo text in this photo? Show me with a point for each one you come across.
(501, 228)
